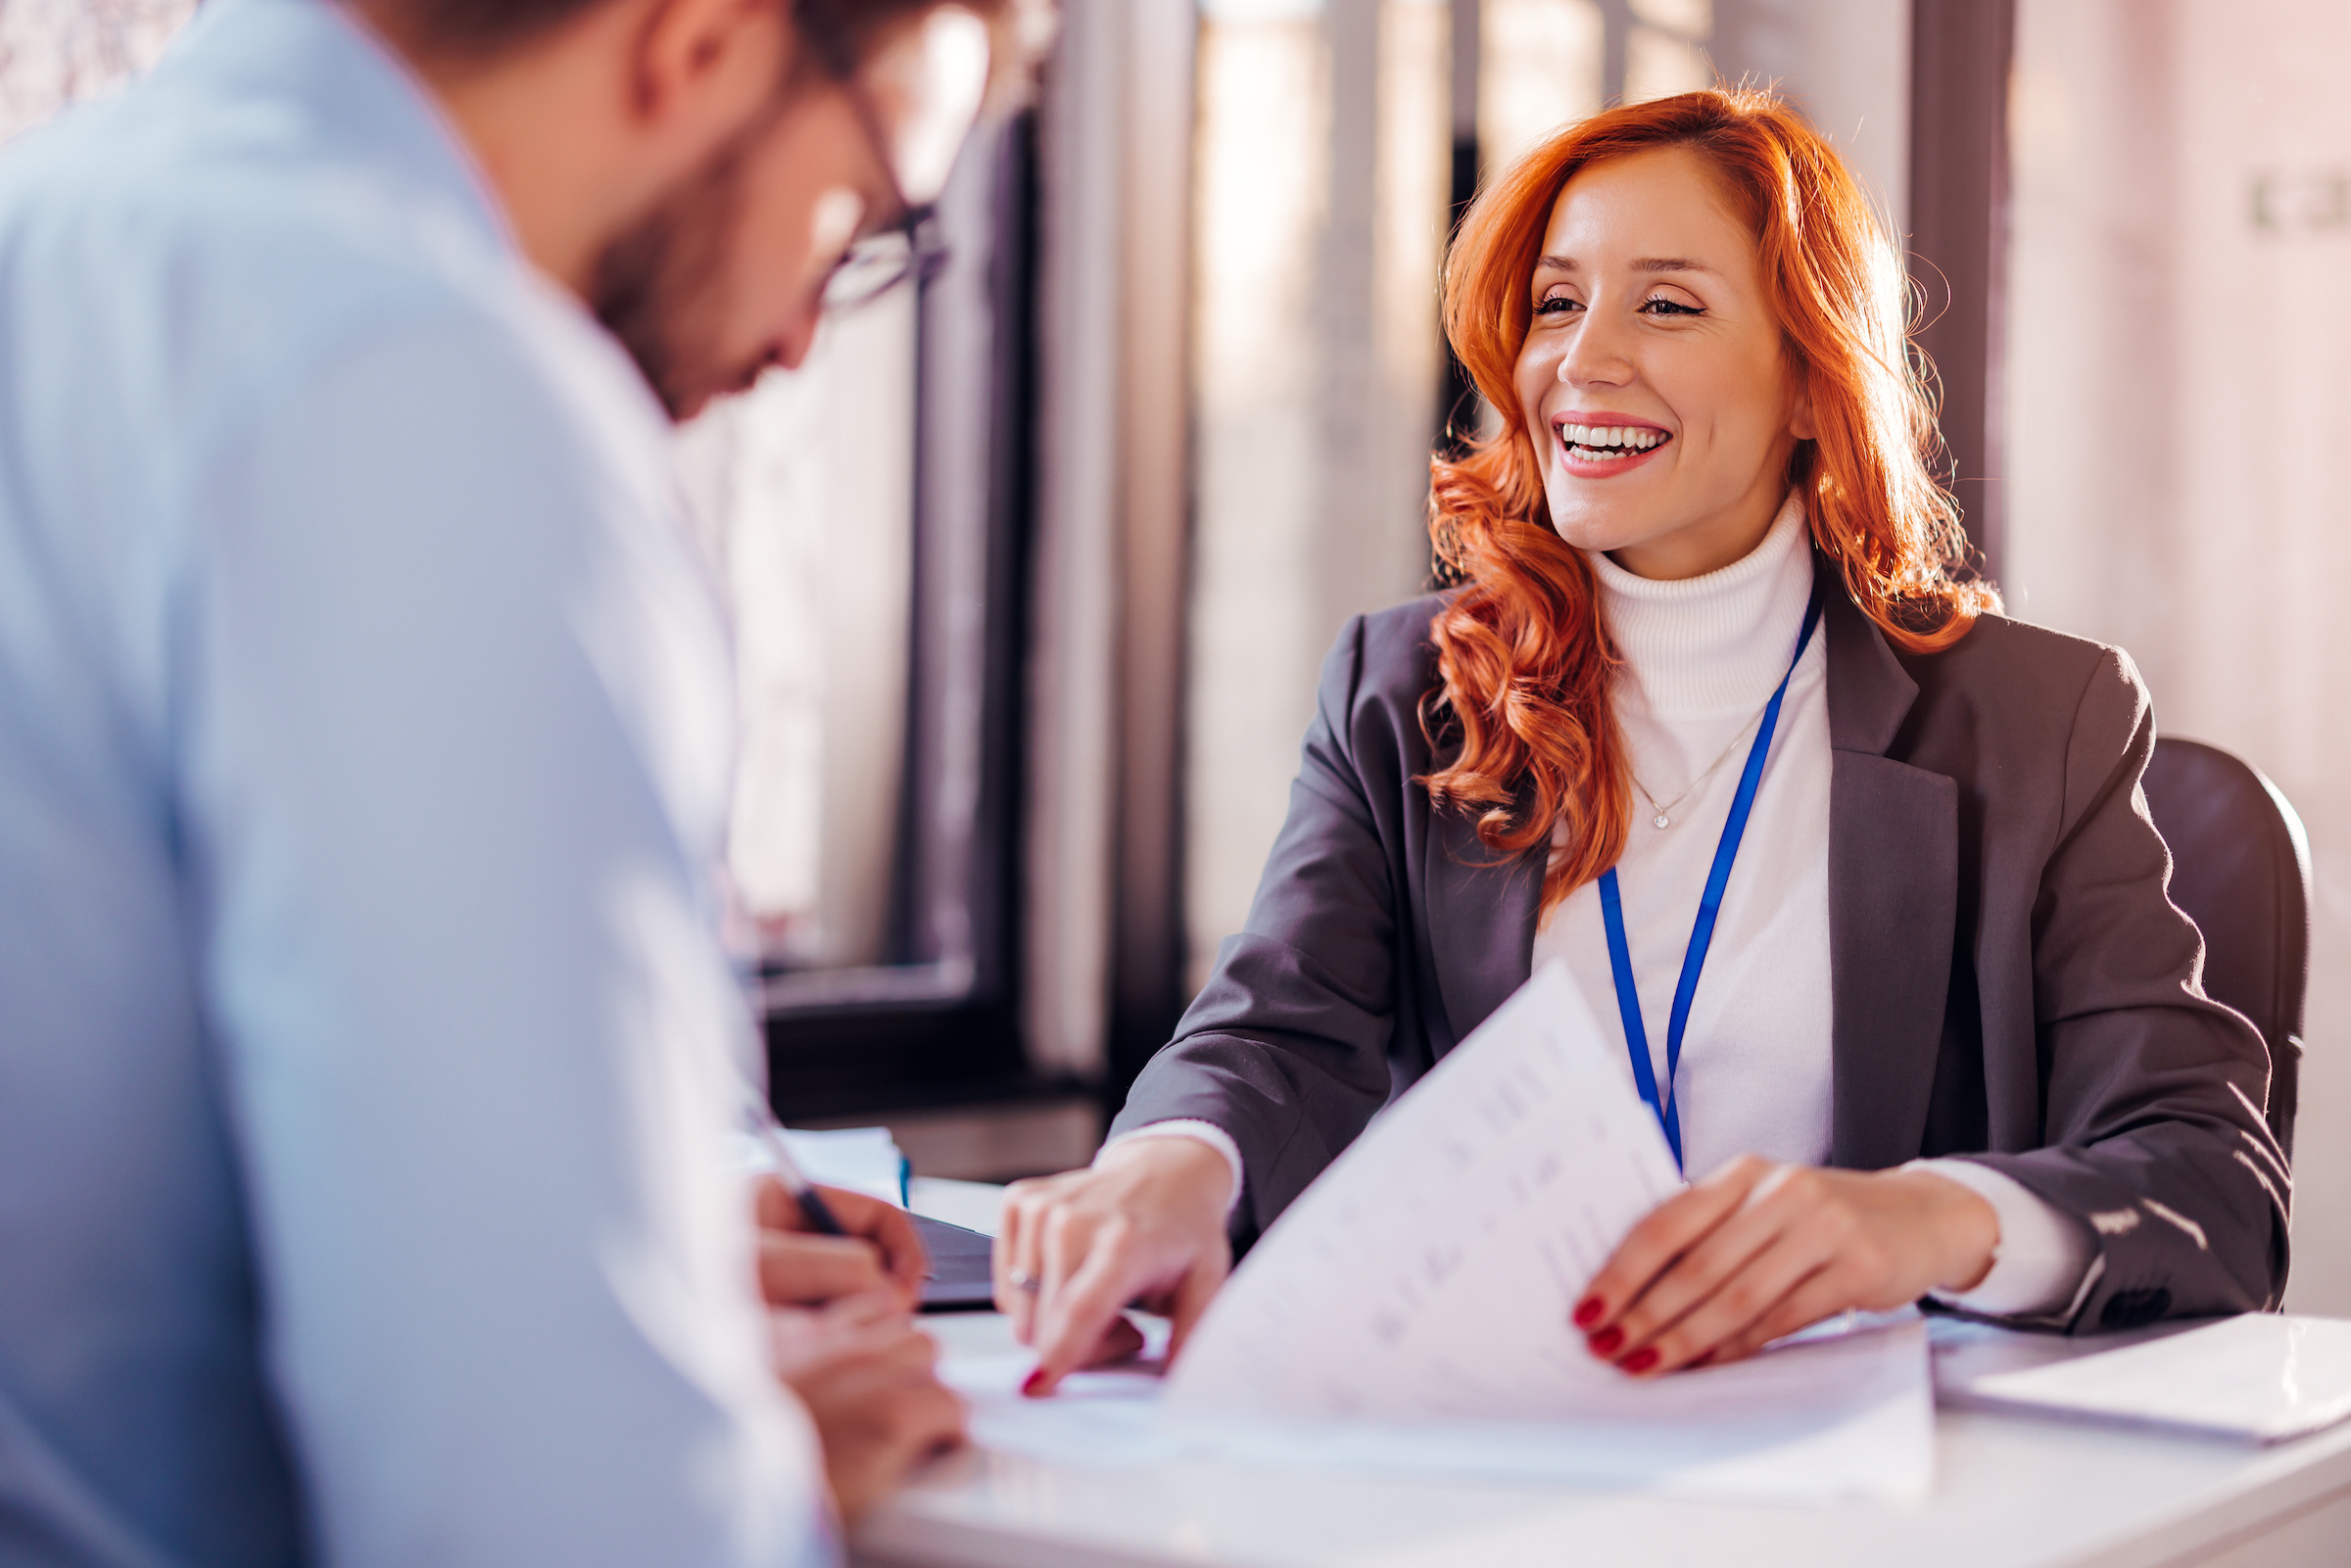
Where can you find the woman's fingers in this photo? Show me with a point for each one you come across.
(1693, 1283)
(1041, 1224)
(1010, 1260)
(1120, 1342)
(1818, 1297)
(1800, 1244)
(1077, 1248)
(1078, 1311)
(1651, 1247)
(1066, 1235)
(1735, 1306)
(1726, 1279)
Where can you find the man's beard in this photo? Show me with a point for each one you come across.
(659, 286)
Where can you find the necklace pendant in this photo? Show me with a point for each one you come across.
(1662, 820)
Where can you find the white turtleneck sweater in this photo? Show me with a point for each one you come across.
(1702, 657)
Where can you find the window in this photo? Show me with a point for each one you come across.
(806, 488)
(871, 517)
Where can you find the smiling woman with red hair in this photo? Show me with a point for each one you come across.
(1856, 870)
(1527, 622)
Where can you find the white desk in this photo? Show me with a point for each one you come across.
(2009, 1493)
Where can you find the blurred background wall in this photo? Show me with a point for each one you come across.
(1034, 570)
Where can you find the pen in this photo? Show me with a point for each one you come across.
(813, 1208)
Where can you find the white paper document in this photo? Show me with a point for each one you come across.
(1846, 1418)
(862, 1159)
(2258, 1376)
(1411, 1312)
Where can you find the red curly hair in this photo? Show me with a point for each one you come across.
(1523, 660)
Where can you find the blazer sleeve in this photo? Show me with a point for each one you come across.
(2154, 1134)
(1286, 1047)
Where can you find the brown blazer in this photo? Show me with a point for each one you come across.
(2009, 981)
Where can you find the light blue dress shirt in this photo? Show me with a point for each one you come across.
(366, 1049)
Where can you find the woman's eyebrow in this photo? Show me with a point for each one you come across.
(1647, 263)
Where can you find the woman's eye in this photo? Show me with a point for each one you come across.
(1664, 306)
(1556, 305)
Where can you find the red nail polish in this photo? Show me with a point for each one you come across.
(1035, 1383)
(1605, 1342)
(1642, 1359)
(1588, 1310)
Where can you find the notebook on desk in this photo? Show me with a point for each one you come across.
(962, 1269)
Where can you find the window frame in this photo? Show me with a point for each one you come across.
(939, 1022)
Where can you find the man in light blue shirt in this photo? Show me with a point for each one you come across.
(366, 1052)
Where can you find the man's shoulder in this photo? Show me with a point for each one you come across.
(187, 286)
(206, 237)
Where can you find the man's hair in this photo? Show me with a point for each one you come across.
(843, 33)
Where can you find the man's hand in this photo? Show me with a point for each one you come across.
(1146, 1225)
(868, 1377)
(1759, 1249)
(801, 1267)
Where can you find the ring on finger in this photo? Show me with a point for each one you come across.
(1022, 1280)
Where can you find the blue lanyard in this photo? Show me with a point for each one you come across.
(1702, 934)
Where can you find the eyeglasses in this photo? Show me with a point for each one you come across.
(911, 249)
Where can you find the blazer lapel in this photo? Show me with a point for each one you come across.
(1894, 884)
(1481, 912)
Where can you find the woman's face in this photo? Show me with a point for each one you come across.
(1652, 378)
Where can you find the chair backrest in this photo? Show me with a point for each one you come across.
(2241, 869)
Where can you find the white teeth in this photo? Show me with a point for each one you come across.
(1605, 438)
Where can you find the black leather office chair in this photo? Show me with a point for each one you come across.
(2241, 869)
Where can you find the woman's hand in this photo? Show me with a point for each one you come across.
(801, 1267)
(1146, 1225)
(870, 1381)
(1759, 1249)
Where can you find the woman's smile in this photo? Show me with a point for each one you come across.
(1602, 446)
(1649, 287)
